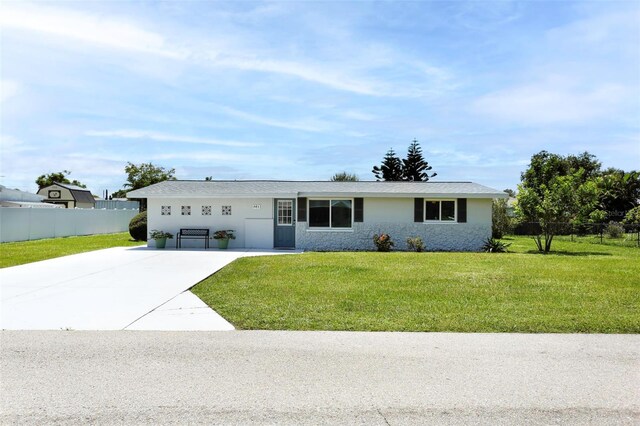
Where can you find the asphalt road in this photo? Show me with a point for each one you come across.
(262, 377)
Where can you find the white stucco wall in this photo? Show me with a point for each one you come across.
(394, 216)
(253, 226)
(479, 211)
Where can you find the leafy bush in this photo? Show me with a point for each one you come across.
(415, 243)
(138, 227)
(156, 235)
(383, 242)
(224, 235)
(501, 223)
(633, 216)
(495, 246)
(614, 230)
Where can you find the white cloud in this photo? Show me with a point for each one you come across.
(8, 89)
(310, 125)
(358, 115)
(211, 156)
(549, 103)
(165, 137)
(352, 73)
(309, 72)
(108, 32)
(611, 27)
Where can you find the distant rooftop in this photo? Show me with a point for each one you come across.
(71, 187)
(274, 188)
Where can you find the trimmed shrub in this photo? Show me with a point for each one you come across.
(383, 242)
(138, 227)
(614, 230)
(415, 243)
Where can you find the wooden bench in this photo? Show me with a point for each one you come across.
(193, 234)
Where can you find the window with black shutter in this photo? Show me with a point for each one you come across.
(302, 209)
(358, 210)
(462, 210)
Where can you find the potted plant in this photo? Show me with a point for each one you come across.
(160, 237)
(223, 237)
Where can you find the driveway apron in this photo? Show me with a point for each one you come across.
(102, 290)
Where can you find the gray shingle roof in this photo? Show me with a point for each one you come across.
(262, 188)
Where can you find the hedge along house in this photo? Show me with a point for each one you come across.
(325, 215)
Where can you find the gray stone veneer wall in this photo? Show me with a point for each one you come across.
(437, 237)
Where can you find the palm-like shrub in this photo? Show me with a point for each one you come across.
(495, 246)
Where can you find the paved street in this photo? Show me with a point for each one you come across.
(258, 377)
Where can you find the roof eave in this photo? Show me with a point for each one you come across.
(324, 194)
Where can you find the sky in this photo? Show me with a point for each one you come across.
(300, 90)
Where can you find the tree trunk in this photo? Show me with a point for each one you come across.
(547, 242)
(538, 241)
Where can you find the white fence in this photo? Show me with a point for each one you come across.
(21, 224)
(117, 204)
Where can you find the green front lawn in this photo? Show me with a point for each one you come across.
(18, 253)
(580, 287)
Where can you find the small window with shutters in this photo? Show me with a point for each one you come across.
(440, 211)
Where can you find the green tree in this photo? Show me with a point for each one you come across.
(545, 166)
(556, 204)
(145, 174)
(120, 193)
(345, 177)
(633, 216)
(585, 161)
(501, 222)
(391, 168)
(619, 192)
(415, 167)
(510, 192)
(60, 177)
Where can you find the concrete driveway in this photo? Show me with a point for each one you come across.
(113, 289)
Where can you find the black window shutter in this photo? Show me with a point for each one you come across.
(302, 209)
(462, 210)
(418, 210)
(358, 211)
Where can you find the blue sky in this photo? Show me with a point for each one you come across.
(301, 90)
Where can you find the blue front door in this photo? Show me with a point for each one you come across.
(284, 223)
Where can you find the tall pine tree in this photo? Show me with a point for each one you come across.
(391, 168)
(415, 167)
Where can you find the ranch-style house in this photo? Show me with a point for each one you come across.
(331, 216)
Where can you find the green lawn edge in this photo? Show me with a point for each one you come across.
(23, 252)
(578, 288)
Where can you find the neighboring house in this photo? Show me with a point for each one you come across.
(325, 215)
(511, 206)
(70, 196)
(16, 198)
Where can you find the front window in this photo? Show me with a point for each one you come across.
(330, 213)
(440, 210)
